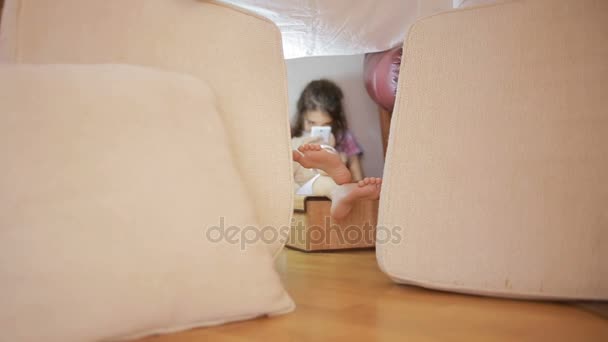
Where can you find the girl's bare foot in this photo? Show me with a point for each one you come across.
(313, 156)
(344, 196)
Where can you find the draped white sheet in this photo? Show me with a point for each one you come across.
(343, 27)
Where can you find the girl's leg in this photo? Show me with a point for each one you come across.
(344, 196)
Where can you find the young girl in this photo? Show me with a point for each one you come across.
(320, 104)
(319, 169)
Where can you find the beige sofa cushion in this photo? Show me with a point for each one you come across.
(111, 180)
(498, 155)
(237, 53)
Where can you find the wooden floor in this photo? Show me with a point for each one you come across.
(344, 297)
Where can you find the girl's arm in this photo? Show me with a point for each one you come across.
(354, 165)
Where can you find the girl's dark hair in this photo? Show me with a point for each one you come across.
(322, 95)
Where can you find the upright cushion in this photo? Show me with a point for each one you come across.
(237, 53)
(498, 155)
(115, 187)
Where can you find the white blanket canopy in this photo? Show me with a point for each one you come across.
(343, 27)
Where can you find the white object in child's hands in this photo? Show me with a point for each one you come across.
(321, 131)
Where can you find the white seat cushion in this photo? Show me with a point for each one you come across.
(237, 53)
(498, 155)
(111, 178)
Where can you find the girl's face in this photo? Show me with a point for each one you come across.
(316, 118)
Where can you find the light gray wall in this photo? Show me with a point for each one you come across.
(361, 111)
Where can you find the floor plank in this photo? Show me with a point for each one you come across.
(345, 297)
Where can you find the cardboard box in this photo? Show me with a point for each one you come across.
(313, 229)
